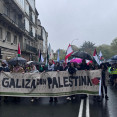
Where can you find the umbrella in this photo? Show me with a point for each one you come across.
(111, 61)
(30, 62)
(82, 55)
(17, 60)
(90, 62)
(77, 60)
(35, 63)
(114, 58)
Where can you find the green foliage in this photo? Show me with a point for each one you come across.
(114, 45)
(106, 51)
(62, 54)
(88, 47)
(75, 48)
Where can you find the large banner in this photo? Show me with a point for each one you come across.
(49, 83)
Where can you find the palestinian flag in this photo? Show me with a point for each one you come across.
(47, 58)
(39, 55)
(19, 51)
(96, 57)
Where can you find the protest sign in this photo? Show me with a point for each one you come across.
(49, 83)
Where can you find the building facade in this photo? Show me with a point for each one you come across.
(19, 24)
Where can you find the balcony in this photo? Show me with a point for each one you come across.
(40, 37)
(31, 49)
(36, 37)
(31, 33)
(7, 1)
(19, 26)
(31, 19)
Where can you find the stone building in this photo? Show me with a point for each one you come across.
(42, 39)
(19, 24)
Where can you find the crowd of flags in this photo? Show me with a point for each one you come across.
(97, 57)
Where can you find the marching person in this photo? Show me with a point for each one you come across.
(18, 69)
(105, 76)
(65, 67)
(72, 70)
(50, 65)
(84, 66)
(4, 68)
(58, 67)
(114, 74)
(33, 69)
(51, 68)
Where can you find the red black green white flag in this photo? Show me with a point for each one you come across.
(19, 50)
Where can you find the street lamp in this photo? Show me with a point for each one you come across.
(74, 40)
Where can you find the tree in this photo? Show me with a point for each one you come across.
(106, 51)
(75, 48)
(62, 54)
(114, 46)
(88, 47)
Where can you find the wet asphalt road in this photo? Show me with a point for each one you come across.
(64, 108)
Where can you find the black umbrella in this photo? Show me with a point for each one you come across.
(17, 60)
(114, 58)
(82, 55)
(35, 63)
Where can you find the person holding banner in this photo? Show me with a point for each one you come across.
(4, 68)
(18, 69)
(72, 70)
(113, 70)
(84, 66)
(33, 69)
(105, 76)
(58, 67)
(51, 68)
(65, 66)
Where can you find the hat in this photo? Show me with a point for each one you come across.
(4, 61)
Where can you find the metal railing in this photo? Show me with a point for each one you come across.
(19, 24)
(31, 49)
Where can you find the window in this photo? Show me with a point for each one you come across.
(27, 7)
(20, 3)
(0, 33)
(33, 31)
(26, 24)
(14, 17)
(29, 42)
(7, 11)
(15, 39)
(8, 36)
(33, 17)
(25, 41)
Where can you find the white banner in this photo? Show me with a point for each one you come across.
(49, 83)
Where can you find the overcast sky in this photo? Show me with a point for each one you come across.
(85, 20)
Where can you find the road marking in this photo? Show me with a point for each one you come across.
(87, 107)
(81, 108)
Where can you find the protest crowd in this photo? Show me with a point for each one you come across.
(108, 72)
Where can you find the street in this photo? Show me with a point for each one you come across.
(64, 108)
